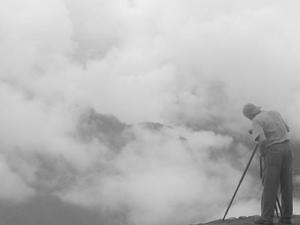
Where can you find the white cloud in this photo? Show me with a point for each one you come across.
(161, 174)
(13, 186)
(184, 63)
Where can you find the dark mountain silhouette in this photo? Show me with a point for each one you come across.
(50, 210)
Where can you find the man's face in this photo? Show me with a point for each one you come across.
(249, 116)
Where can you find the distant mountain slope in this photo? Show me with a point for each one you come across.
(49, 210)
(106, 128)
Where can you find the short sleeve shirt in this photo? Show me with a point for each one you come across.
(269, 126)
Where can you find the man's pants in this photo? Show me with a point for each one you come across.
(277, 171)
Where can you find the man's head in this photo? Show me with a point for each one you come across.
(250, 110)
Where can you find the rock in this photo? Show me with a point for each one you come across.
(243, 217)
(231, 218)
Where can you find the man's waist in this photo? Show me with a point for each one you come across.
(269, 145)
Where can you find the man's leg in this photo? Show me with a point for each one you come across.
(286, 180)
(271, 180)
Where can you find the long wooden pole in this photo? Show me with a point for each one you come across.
(239, 184)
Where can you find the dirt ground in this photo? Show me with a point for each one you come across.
(247, 221)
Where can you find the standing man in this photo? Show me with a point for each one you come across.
(271, 133)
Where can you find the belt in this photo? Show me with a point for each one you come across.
(278, 143)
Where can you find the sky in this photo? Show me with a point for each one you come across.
(80, 79)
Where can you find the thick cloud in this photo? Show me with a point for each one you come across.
(189, 66)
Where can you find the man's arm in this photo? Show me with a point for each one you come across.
(286, 126)
(259, 136)
(258, 133)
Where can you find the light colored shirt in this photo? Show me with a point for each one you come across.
(269, 128)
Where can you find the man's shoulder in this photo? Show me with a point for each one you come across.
(267, 116)
(261, 115)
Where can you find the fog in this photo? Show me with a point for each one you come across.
(133, 108)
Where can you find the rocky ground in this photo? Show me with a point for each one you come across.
(246, 221)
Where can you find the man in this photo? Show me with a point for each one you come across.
(271, 134)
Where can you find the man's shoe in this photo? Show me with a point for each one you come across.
(285, 220)
(262, 221)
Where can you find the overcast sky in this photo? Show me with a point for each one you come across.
(190, 65)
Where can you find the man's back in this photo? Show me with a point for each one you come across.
(274, 127)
